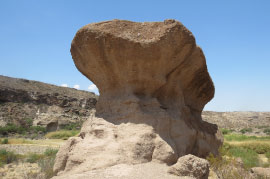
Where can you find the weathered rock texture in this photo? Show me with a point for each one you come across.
(261, 172)
(153, 84)
(191, 166)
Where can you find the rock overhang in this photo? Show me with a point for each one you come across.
(125, 53)
(153, 83)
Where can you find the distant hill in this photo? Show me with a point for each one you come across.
(50, 106)
(257, 123)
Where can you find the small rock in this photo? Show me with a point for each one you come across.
(262, 172)
(191, 166)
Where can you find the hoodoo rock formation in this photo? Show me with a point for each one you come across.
(153, 83)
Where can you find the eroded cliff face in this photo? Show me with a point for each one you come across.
(153, 84)
(46, 105)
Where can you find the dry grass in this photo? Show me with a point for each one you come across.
(49, 142)
(260, 147)
(227, 168)
(18, 141)
(40, 142)
(62, 134)
(256, 142)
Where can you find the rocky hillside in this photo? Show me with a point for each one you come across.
(25, 101)
(53, 107)
(244, 122)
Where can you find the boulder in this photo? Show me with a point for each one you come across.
(191, 166)
(261, 172)
(153, 83)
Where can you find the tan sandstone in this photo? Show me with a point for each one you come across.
(191, 166)
(261, 172)
(153, 83)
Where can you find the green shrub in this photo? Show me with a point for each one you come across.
(267, 131)
(7, 157)
(248, 156)
(29, 122)
(245, 130)
(226, 167)
(37, 129)
(4, 141)
(226, 131)
(8, 129)
(21, 130)
(46, 166)
(47, 163)
(237, 137)
(12, 128)
(258, 148)
(62, 134)
(267, 154)
(50, 152)
(72, 126)
(34, 158)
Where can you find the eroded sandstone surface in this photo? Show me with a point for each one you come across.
(153, 83)
(192, 166)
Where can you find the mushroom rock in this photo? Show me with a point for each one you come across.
(153, 83)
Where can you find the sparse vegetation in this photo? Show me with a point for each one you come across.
(50, 152)
(62, 134)
(267, 154)
(33, 157)
(258, 147)
(239, 146)
(37, 129)
(46, 166)
(45, 161)
(267, 131)
(246, 130)
(28, 122)
(17, 141)
(226, 131)
(261, 127)
(4, 141)
(7, 157)
(73, 126)
(248, 156)
(237, 137)
(226, 166)
(12, 128)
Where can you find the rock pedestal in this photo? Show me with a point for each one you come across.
(153, 83)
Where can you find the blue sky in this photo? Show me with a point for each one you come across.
(35, 38)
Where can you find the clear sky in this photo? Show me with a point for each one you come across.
(35, 38)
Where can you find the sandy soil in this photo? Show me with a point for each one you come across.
(122, 171)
